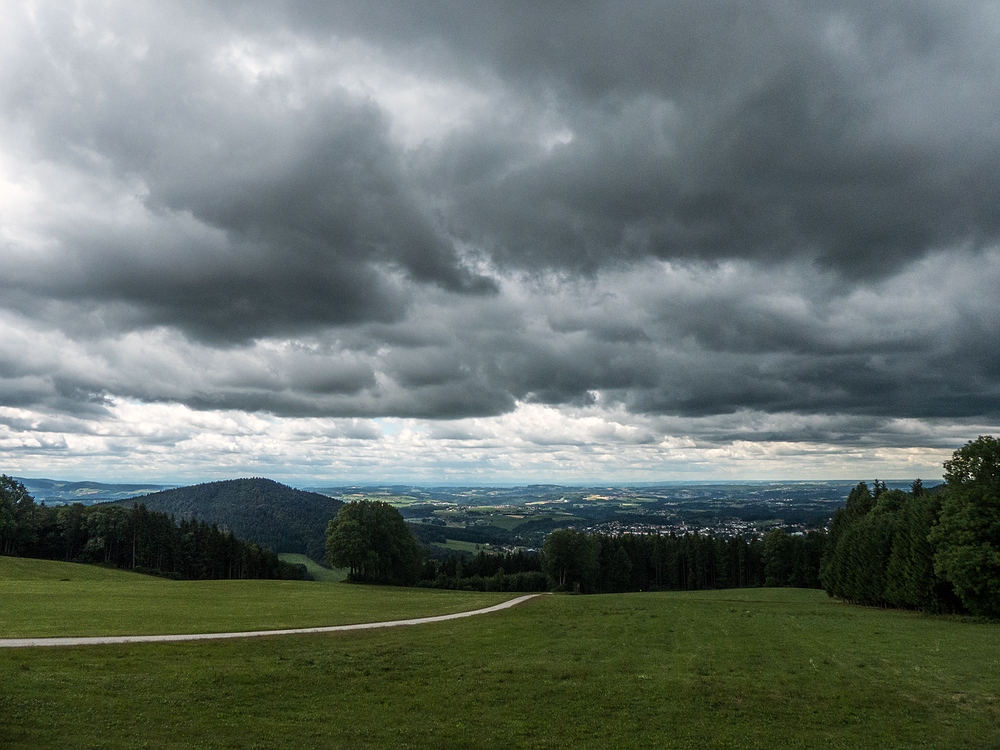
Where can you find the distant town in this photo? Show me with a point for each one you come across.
(470, 519)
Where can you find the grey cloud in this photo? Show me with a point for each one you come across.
(700, 130)
(717, 130)
(837, 158)
(829, 432)
(302, 215)
(55, 394)
(450, 431)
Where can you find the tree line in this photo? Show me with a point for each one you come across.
(510, 571)
(932, 551)
(372, 540)
(599, 563)
(133, 538)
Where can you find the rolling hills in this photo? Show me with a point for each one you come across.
(60, 492)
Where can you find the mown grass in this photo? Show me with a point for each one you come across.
(728, 669)
(456, 545)
(317, 571)
(45, 598)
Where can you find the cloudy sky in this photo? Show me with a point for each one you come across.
(524, 241)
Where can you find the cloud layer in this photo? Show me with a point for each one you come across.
(694, 233)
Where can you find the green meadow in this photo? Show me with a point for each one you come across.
(317, 571)
(46, 598)
(458, 546)
(720, 669)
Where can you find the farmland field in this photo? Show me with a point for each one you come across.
(718, 669)
(456, 546)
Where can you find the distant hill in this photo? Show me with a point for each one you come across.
(261, 510)
(58, 492)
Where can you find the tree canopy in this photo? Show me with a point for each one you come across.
(371, 539)
(572, 559)
(879, 552)
(934, 550)
(16, 509)
(967, 536)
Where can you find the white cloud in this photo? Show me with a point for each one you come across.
(162, 442)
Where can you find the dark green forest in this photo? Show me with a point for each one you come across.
(932, 551)
(272, 514)
(134, 538)
(597, 563)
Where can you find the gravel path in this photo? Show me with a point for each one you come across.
(106, 639)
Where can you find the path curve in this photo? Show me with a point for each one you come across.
(112, 639)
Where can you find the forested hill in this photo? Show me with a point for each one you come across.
(264, 511)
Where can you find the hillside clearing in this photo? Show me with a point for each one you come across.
(317, 571)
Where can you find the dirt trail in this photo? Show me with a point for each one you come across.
(106, 639)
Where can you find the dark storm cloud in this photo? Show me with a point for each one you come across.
(684, 208)
(840, 135)
(264, 216)
(857, 134)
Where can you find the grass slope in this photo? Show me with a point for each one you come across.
(724, 669)
(19, 569)
(43, 598)
(317, 571)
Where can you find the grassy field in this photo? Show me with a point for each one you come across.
(45, 598)
(722, 669)
(454, 545)
(317, 571)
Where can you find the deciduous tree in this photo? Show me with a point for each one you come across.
(967, 537)
(372, 540)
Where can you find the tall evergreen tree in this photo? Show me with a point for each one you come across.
(572, 559)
